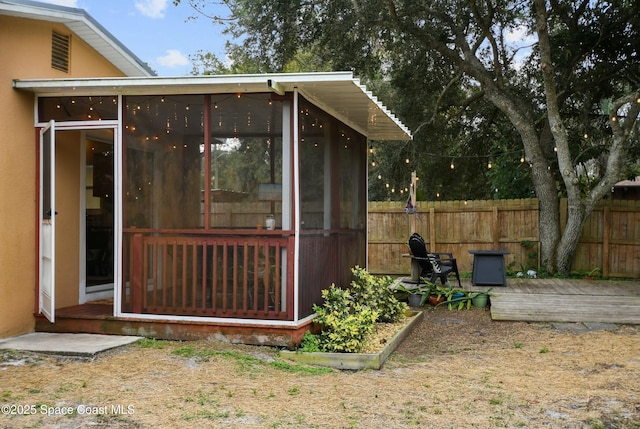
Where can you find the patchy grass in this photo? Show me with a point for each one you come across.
(456, 369)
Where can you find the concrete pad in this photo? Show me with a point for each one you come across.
(66, 344)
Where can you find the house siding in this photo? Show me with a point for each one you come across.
(25, 50)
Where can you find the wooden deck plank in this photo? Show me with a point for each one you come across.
(565, 300)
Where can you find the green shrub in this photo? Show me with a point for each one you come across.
(345, 323)
(310, 343)
(375, 292)
(348, 316)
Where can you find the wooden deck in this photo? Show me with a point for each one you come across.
(97, 318)
(565, 300)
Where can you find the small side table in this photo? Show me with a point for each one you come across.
(488, 267)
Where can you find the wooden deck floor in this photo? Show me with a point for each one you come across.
(565, 300)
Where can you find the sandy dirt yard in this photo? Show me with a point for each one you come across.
(457, 369)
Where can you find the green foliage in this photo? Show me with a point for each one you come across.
(346, 324)
(455, 298)
(310, 343)
(468, 104)
(375, 292)
(423, 289)
(150, 343)
(348, 316)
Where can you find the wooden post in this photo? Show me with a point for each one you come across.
(432, 228)
(496, 229)
(138, 272)
(412, 218)
(605, 242)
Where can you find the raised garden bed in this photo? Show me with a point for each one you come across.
(356, 361)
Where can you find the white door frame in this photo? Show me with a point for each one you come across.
(47, 216)
(49, 301)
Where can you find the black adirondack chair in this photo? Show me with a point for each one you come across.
(435, 265)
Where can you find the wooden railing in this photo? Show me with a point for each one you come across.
(221, 274)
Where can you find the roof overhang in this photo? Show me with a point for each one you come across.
(85, 27)
(338, 93)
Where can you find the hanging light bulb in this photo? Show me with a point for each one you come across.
(522, 159)
(489, 165)
(373, 163)
(406, 161)
(452, 166)
(380, 176)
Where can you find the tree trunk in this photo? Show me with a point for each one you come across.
(576, 218)
(543, 180)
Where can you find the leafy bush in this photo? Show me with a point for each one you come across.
(345, 323)
(310, 343)
(348, 316)
(375, 292)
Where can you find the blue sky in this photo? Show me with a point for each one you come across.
(158, 32)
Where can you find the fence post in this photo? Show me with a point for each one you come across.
(432, 228)
(496, 228)
(605, 242)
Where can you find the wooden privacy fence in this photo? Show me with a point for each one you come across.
(610, 239)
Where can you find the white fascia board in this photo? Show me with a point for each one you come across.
(165, 85)
(338, 93)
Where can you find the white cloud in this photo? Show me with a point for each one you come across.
(173, 58)
(152, 8)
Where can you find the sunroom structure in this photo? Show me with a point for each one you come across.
(158, 198)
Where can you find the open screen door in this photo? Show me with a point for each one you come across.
(47, 220)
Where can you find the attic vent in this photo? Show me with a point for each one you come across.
(60, 52)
